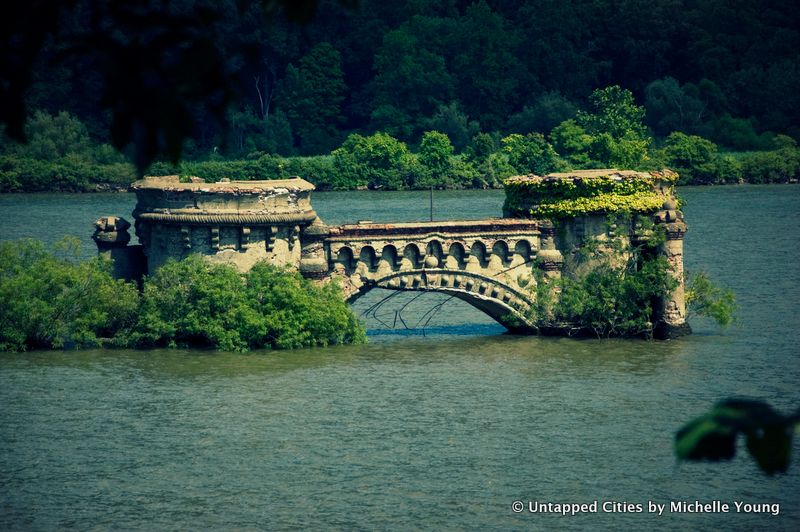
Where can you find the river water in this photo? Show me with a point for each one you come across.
(441, 428)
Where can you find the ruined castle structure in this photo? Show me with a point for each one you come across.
(493, 264)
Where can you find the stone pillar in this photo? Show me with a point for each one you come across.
(549, 258)
(112, 238)
(313, 259)
(670, 314)
(111, 232)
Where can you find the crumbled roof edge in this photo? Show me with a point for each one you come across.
(664, 174)
(173, 183)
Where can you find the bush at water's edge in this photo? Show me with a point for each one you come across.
(52, 301)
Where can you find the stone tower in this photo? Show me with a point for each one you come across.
(237, 223)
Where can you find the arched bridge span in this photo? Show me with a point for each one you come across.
(486, 263)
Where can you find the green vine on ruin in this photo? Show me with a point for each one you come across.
(641, 202)
(562, 196)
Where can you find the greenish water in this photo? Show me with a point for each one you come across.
(441, 431)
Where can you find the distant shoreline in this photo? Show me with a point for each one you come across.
(113, 188)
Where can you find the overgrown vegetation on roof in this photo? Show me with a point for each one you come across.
(579, 193)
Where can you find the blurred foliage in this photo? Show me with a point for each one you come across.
(713, 435)
(158, 67)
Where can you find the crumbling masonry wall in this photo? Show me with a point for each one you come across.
(492, 264)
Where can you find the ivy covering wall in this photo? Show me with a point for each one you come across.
(568, 195)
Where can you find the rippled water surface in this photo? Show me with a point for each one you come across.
(441, 430)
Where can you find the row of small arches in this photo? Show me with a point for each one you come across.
(412, 257)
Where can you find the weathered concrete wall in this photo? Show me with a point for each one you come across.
(241, 247)
(237, 223)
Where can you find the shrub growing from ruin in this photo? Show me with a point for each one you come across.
(50, 300)
(704, 298)
(604, 296)
(195, 303)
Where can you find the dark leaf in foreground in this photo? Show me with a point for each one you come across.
(712, 436)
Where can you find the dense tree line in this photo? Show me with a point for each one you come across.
(60, 156)
(726, 70)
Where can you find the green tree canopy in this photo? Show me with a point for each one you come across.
(53, 137)
(547, 111)
(531, 153)
(378, 161)
(411, 83)
(671, 107)
(312, 98)
(613, 110)
(195, 78)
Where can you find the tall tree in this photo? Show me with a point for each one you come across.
(613, 111)
(481, 58)
(312, 98)
(454, 123)
(671, 107)
(411, 83)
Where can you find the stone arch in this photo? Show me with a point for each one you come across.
(523, 250)
(478, 256)
(500, 250)
(345, 259)
(491, 295)
(368, 257)
(433, 254)
(411, 257)
(389, 259)
(456, 256)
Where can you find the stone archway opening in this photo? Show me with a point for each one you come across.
(497, 300)
(402, 312)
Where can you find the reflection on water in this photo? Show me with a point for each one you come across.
(436, 429)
